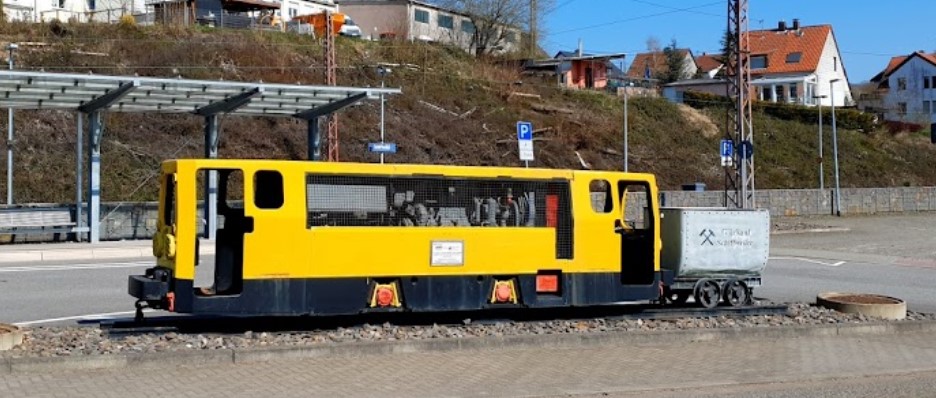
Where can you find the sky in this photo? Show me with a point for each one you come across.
(868, 32)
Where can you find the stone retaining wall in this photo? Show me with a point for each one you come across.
(137, 220)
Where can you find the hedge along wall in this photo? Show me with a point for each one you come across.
(845, 118)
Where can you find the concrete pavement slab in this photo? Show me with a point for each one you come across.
(546, 370)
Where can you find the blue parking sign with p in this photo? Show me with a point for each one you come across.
(524, 131)
(727, 148)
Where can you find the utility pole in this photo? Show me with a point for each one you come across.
(534, 29)
(739, 177)
(331, 79)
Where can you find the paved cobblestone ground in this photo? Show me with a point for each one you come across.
(507, 372)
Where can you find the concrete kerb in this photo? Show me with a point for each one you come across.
(141, 251)
(364, 349)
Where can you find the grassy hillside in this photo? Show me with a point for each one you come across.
(470, 121)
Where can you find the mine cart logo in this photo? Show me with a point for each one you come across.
(707, 235)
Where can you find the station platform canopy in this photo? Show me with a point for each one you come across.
(92, 95)
(44, 90)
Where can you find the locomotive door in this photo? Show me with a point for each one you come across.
(636, 228)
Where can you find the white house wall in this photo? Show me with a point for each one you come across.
(377, 19)
(305, 7)
(830, 68)
(914, 71)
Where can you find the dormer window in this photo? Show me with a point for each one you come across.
(793, 58)
(759, 62)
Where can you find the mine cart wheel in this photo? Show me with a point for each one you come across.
(707, 293)
(735, 293)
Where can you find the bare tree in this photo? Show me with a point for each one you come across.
(499, 23)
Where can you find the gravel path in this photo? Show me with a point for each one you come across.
(57, 341)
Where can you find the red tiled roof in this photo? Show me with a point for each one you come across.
(897, 62)
(656, 61)
(777, 45)
(894, 62)
(708, 62)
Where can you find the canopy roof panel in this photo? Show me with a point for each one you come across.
(46, 90)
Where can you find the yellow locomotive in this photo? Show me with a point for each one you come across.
(299, 237)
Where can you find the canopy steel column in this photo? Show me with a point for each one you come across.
(94, 109)
(210, 209)
(95, 133)
(212, 139)
(79, 158)
(312, 117)
(315, 138)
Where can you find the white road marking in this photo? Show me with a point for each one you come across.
(87, 317)
(809, 260)
(71, 267)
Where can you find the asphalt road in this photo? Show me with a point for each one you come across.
(891, 255)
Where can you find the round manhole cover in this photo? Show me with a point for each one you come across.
(868, 304)
(10, 336)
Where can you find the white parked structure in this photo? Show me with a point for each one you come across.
(66, 10)
(909, 86)
(293, 8)
(797, 63)
(416, 20)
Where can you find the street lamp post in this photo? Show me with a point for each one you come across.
(627, 85)
(838, 199)
(821, 160)
(11, 48)
(383, 72)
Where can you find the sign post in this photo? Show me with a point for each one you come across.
(727, 150)
(525, 141)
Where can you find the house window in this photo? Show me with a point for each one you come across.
(901, 83)
(765, 94)
(511, 37)
(933, 83)
(926, 82)
(926, 106)
(91, 5)
(422, 16)
(759, 62)
(793, 58)
(902, 108)
(835, 64)
(467, 26)
(293, 12)
(446, 21)
(793, 92)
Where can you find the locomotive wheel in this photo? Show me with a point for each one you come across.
(707, 293)
(735, 293)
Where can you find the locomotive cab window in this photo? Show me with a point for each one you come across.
(601, 199)
(268, 189)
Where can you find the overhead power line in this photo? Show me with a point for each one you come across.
(619, 21)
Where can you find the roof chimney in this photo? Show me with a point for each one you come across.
(781, 26)
(580, 48)
(795, 23)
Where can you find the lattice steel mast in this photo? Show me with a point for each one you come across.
(331, 79)
(739, 176)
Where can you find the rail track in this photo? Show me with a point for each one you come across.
(236, 325)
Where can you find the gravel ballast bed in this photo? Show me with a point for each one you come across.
(76, 341)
